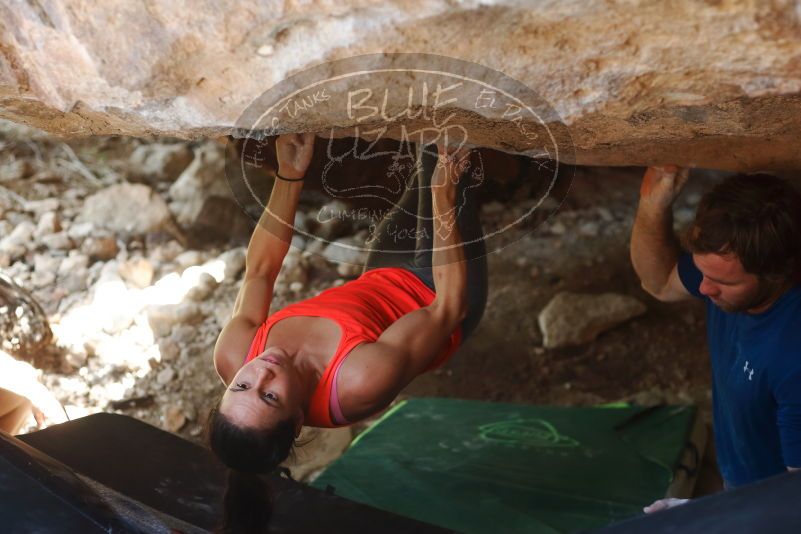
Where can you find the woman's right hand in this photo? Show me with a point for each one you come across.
(454, 161)
(294, 152)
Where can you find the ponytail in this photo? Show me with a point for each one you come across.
(247, 505)
(248, 453)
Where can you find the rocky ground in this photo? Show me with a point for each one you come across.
(100, 232)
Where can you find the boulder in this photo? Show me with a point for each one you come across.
(163, 318)
(158, 162)
(636, 82)
(575, 318)
(130, 209)
(202, 202)
(202, 179)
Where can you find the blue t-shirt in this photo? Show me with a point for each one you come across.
(756, 383)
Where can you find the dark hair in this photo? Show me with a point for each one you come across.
(248, 453)
(757, 217)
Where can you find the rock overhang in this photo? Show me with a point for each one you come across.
(705, 84)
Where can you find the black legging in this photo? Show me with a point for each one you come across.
(411, 219)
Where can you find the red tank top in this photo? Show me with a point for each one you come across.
(363, 308)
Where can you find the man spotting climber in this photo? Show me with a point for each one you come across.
(743, 260)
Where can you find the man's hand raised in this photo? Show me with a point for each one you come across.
(661, 185)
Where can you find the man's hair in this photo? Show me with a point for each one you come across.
(756, 217)
(248, 453)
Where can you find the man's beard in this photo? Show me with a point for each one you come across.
(766, 292)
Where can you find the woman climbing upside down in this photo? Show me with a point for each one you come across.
(343, 355)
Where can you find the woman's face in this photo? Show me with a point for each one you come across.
(264, 392)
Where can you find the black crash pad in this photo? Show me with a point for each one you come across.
(177, 478)
(770, 506)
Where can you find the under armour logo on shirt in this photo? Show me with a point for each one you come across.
(750, 371)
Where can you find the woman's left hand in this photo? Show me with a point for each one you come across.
(294, 152)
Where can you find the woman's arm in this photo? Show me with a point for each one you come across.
(377, 372)
(449, 267)
(265, 254)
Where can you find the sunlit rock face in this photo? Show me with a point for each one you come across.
(714, 84)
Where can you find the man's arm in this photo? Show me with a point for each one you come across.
(377, 372)
(654, 247)
(268, 246)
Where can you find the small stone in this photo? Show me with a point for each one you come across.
(48, 224)
(349, 270)
(183, 334)
(684, 216)
(316, 246)
(521, 261)
(100, 248)
(301, 222)
(174, 418)
(46, 263)
(74, 262)
(190, 258)
(76, 358)
(296, 287)
(165, 376)
(492, 208)
(168, 349)
(73, 276)
(19, 240)
(294, 268)
(189, 411)
(534, 272)
(558, 228)
(138, 272)
(38, 207)
(42, 279)
(605, 214)
(234, 261)
(205, 286)
(298, 242)
(693, 198)
(589, 229)
(265, 50)
(166, 252)
(346, 250)
(74, 282)
(80, 231)
(57, 241)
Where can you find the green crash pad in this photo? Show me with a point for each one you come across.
(490, 467)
